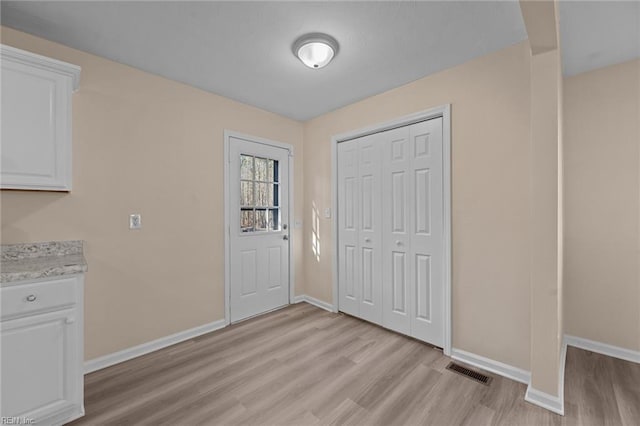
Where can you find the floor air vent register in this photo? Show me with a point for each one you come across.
(473, 375)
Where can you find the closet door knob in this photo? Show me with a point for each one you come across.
(31, 298)
(367, 240)
(398, 243)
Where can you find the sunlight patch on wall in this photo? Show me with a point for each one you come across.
(315, 232)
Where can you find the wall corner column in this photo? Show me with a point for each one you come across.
(547, 364)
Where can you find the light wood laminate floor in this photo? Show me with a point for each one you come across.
(305, 366)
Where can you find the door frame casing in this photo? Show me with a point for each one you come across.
(228, 134)
(443, 111)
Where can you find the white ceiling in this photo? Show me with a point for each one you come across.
(594, 34)
(242, 50)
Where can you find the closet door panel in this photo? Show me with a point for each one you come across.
(396, 192)
(370, 231)
(349, 292)
(426, 204)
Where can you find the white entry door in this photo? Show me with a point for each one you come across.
(259, 228)
(391, 229)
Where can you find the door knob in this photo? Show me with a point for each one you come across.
(286, 237)
(398, 242)
(31, 298)
(367, 240)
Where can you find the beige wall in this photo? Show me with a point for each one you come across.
(490, 178)
(602, 183)
(143, 144)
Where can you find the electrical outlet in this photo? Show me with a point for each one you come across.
(135, 221)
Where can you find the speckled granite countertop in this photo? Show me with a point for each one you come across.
(31, 261)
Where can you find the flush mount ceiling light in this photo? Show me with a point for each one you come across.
(315, 50)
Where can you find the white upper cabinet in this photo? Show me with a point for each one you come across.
(35, 150)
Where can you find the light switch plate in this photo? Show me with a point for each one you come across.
(297, 224)
(135, 221)
(327, 213)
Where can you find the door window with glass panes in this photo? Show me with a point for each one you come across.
(259, 194)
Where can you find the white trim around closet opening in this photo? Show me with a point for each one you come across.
(443, 111)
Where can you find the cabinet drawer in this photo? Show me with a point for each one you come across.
(46, 295)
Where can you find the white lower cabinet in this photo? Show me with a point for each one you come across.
(42, 351)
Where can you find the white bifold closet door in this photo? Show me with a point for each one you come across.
(360, 234)
(390, 229)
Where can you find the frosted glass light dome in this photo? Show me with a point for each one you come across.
(315, 50)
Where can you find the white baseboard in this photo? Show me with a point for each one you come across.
(313, 301)
(551, 402)
(502, 369)
(561, 378)
(534, 396)
(145, 348)
(139, 350)
(603, 348)
(544, 400)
